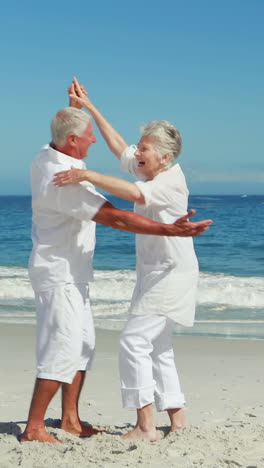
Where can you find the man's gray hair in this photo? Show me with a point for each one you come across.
(168, 138)
(66, 121)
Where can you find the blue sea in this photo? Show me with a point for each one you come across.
(230, 253)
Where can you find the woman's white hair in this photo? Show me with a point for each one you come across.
(168, 138)
(66, 121)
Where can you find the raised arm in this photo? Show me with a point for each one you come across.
(133, 222)
(114, 141)
(118, 187)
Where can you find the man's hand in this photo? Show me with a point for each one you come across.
(184, 228)
(74, 99)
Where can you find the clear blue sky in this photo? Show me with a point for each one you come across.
(198, 64)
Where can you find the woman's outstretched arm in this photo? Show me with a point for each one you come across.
(118, 187)
(112, 138)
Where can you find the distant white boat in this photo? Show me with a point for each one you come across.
(243, 196)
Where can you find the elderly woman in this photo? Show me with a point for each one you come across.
(167, 268)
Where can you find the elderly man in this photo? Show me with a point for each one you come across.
(60, 269)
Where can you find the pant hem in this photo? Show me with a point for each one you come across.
(136, 398)
(167, 401)
(58, 378)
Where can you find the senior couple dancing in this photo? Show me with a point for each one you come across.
(65, 210)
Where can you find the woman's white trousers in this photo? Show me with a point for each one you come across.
(146, 363)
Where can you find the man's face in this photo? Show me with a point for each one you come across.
(84, 141)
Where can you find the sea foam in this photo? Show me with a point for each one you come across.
(116, 286)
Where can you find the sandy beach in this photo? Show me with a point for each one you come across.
(222, 380)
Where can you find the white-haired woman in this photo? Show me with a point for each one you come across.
(167, 269)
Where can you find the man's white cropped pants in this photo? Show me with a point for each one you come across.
(65, 332)
(146, 363)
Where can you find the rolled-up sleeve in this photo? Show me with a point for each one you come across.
(156, 193)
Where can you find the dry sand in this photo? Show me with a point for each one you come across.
(223, 382)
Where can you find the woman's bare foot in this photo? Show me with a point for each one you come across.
(80, 429)
(145, 428)
(177, 418)
(40, 435)
(138, 434)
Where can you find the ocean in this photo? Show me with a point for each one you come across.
(230, 254)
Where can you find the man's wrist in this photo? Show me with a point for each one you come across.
(73, 104)
(169, 230)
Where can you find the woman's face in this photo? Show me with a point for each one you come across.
(149, 162)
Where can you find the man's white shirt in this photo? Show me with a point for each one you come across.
(63, 233)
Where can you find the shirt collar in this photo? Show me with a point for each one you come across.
(172, 169)
(63, 158)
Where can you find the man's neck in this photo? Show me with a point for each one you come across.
(62, 150)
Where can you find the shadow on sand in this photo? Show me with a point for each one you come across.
(13, 428)
(120, 430)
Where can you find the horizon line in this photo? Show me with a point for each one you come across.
(191, 194)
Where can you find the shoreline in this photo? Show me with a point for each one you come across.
(222, 381)
(201, 329)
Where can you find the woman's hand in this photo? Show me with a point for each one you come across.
(78, 95)
(73, 176)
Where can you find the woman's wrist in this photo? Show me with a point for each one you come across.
(89, 106)
(87, 175)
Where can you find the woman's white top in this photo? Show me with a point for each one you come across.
(167, 267)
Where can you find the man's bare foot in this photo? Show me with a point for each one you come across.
(138, 434)
(80, 429)
(40, 435)
(178, 419)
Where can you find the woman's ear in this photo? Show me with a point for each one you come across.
(165, 159)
